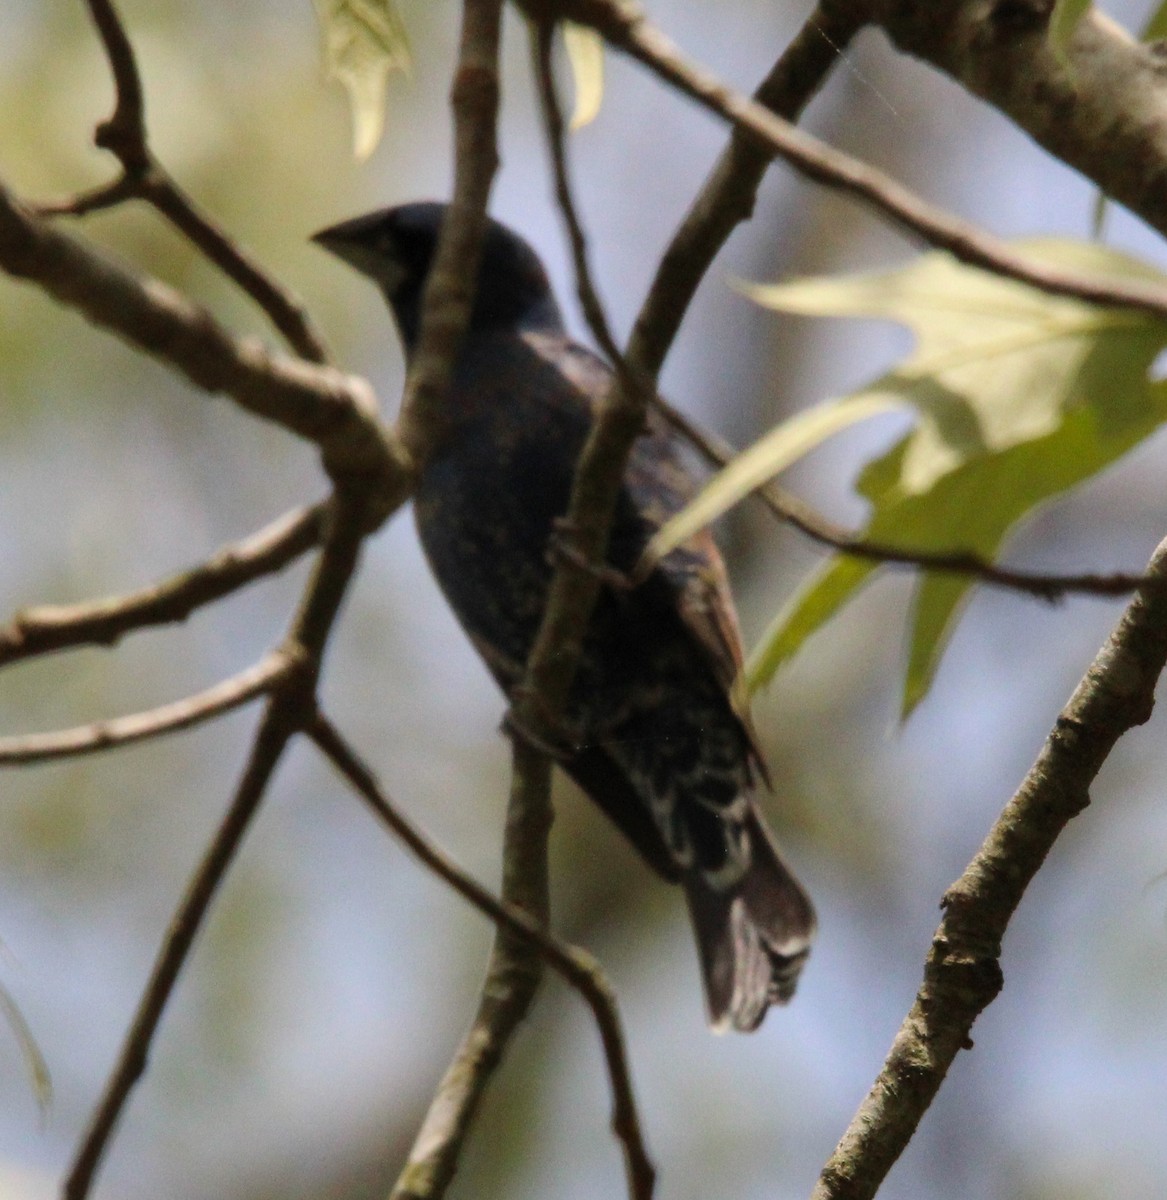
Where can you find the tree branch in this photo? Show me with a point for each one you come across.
(143, 177)
(514, 970)
(542, 45)
(47, 628)
(291, 708)
(623, 25)
(962, 974)
(258, 680)
(449, 291)
(727, 198)
(336, 411)
(1100, 105)
(793, 511)
(447, 1123)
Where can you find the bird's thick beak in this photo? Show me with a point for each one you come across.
(361, 243)
(345, 240)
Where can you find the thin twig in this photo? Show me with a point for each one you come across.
(793, 511)
(729, 193)
(542, 40)
(180, 934)
(692, 250)
(143, 177)
(48, 628)
(334, 410)
(624, 25)
(232, 693)
(962, 974)
(581, 971)
(513, 973)
(290, 709)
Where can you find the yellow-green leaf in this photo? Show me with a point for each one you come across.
(781, 447)
(1021, 396)
(364, 41)
(585, 54)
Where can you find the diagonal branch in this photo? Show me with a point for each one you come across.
(576, 966)
(290, 709)
(232, 693)
(1099, 104)
(334, 410)
(728, 195)
(962, 974)
(47, 628)
(624, 25)
(143, 177)
(726, 199)
(794, 511)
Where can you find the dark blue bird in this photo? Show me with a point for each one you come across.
(659, 737)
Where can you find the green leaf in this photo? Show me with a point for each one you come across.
(34, 1060)
(364, 41)
(1064, 20)
(585, 54)
(781, 447)
(1020, 396)
(1156, 26)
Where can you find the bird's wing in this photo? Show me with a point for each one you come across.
(660, 485)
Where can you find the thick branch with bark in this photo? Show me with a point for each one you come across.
(1102, 108)
(962, 974)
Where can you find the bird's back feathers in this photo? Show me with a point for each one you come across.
(655, 735)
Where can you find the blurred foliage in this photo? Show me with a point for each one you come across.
(1018, 397)
(335, 977)
(585, 53)
(364, 43)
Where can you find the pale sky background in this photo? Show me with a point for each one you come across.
(335, 976)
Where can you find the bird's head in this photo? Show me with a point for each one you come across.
(395, 248)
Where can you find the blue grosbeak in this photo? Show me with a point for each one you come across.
(660, 739)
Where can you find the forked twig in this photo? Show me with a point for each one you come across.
(581, 971)
(232, 693)
(48, 628)
(143, 177)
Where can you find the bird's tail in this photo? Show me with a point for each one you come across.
(753, 934)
